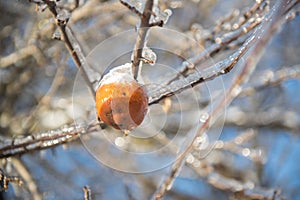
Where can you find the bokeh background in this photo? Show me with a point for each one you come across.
(37, 77)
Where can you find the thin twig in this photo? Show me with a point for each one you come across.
(274, 78)
(292, 15)
(141, 37)
(174, 86)
(222, 42)
(249, 13)
(5, 180)
(265, 32)
(132, 8)
(72, 46)
(160, 92)
(244, 26)
(76, 4)
(87, 193)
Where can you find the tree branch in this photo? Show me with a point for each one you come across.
(87, 193)
(5, 180)
(174, 86)
(141, 38)
(50, 139)
(132, 8)
(72, 45)
(243, 27)
(265, 32)
(71, 133)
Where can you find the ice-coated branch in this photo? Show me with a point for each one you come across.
(265, 31)
(141, 37)
(239, 29)
(224, 66)
(67, 36)
(16, 146)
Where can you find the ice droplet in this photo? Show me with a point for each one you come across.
(149, 56)
(204, 117)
